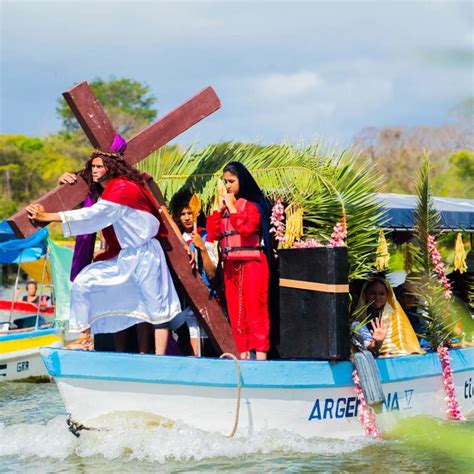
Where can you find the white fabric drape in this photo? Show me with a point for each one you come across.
(133, 287)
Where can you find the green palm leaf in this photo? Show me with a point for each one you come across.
(440, 318)
(327, 183)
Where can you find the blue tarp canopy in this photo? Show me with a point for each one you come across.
(456, 214)
(15, 250)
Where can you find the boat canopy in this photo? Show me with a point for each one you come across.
(457, 215)
(15, 250)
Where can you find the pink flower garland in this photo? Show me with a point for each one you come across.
(454, 410)
(303, 244)
(439, 267)
(366, 414)
(339, 235)
(277, 227)
(276, 221)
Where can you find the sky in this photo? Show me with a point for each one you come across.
(285, 71)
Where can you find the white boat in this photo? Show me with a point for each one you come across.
(25, 329)
(310, 398)
(19, 352)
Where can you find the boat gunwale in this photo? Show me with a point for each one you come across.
(44, 330)
(190, 371)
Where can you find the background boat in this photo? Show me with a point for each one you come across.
(25, 327)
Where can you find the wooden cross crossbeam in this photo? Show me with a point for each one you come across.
(99, 130)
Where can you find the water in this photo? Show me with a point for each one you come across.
(34, 438)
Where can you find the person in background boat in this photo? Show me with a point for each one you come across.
(206, 262)
(130, 284)
(408, 299)
(388, 331)
(241, 225)
(32, 294)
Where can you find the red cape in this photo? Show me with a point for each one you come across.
(128, 193)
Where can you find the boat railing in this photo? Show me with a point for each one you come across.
(18, 331)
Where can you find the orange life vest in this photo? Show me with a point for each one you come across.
(235, 246)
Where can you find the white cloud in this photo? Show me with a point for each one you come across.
(282, 69)
(304, 103)
(277, 86)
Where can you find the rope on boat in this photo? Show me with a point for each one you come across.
(227, 355)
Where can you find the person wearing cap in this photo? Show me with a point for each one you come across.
(130, 283)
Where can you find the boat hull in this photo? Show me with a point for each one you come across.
(20, 352)
(308, 398)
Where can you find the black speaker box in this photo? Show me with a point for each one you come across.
(314, 304)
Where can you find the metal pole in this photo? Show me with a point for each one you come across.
(198, 339)
(14, 291)
(42, 287)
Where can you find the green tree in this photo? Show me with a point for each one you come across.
(396, 153)
(128, 103)
(30, 166)
(463, 160)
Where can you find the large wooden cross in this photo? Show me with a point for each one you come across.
(100, 132)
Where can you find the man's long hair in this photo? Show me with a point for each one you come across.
(116, 167)
(179, 201)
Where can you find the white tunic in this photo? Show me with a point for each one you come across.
(133, 287)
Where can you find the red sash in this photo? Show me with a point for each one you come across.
(127, 193)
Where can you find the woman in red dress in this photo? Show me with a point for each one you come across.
(241, 225)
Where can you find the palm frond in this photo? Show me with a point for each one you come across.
(426, 217)
(437, 310)
(326, 182)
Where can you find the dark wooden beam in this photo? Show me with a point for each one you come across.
(91, 115)
(190, 284)
(100, 132)
(171, 125)
(61, 198)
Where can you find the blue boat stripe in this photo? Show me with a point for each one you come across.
(224, 385)
(28, 334)
(254, 374)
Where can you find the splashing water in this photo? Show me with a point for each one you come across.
(139, 437)
(34, 438)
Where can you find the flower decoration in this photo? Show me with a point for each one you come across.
(366, 414)
(454, 410)
(294, 224)
(304, 244)
(277, 227)
(438, 267)
(383, 257)
(460, 255)
(339, 234)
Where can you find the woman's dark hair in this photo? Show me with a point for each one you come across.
(248, 189)
(116, 167)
